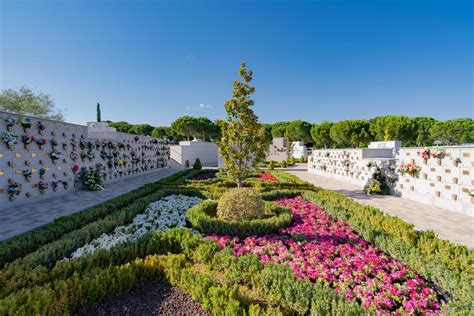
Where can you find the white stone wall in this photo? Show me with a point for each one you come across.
(443, 183)
(190, 150)
(349, 165)
(299, 150)
(122, 156)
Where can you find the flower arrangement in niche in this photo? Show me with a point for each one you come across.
(9, 123)
(54, 185)
(438, 153)
(65, 185)
(13, 190)
(410, 168)
(42, 186)
(82, 143)
(456, 161)
(73, 155)
(27, 140)
(90, 155)
(425, 154)
(27, 174)
(42, 172)
(41, 127)
(40, 142)
(75, 168)
(10, 139)
(53, 142)
(26, 123)
(73, 143)
(54, 155)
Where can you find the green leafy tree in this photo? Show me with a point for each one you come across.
(422, 126)
(25, 101)
(299, 130)
(350, 133)
(185, 126)
(241, 145)
(206, 129)
(161, 132)
(141, 129)
(321, 134)
(266, 133)
(121, 126)
(453, 132)
(392, 127)
(280, 129)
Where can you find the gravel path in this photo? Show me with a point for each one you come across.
(155, 298)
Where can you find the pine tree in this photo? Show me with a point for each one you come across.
(98, 112)
(241, 145)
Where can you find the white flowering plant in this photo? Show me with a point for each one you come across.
(164, 214)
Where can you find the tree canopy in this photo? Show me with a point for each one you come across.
(25, 101)
(321, 134)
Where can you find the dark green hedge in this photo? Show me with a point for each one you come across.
(28, 242)
(48, 254)
(203, 218)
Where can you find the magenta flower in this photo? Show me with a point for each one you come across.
(319, 247)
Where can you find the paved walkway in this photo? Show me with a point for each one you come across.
(18, 219)
(455, 227)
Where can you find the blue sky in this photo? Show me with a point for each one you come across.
(153, 61)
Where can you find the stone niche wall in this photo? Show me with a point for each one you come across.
(349, 165)
(33, 167)
(445, 183)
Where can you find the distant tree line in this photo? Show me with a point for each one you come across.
(412, 131)
(415, 131)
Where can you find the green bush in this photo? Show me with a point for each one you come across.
(284, 164)
(291, 161)
(240, 204)
(203, 218)
(271, 165)
(197, 164)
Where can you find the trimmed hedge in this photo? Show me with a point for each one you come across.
(203, 218)
(30, 241)
(48, 254)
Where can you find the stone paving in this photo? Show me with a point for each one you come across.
(19, 219)
(455, 227)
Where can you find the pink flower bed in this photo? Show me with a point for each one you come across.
(318, 247)
(267, 177)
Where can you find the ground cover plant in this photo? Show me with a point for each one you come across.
(349, 258)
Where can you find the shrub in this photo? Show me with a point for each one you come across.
(197, 164)
(240, 204)
(284, 164)
(203, 218)
(271, 165)
(291, 161)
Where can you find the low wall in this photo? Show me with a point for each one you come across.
(32, 166)
(443, 183)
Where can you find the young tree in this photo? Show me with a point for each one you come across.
(26, 101)
(241, 145)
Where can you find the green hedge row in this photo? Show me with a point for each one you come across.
(28, 242)
(203, 218)
(48, 254)
(222, 283)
